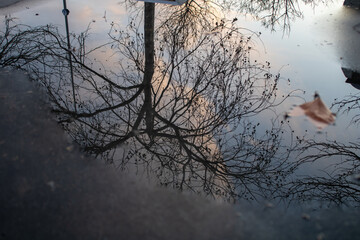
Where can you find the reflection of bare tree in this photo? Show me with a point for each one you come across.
(194, 134)
(199, 132)
(339, 183)
(12, 42)
(271, 13)
(350, 103)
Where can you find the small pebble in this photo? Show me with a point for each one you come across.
(305, 216)
(70, 148)
(269, 205)
(320, 236)
(51, 184)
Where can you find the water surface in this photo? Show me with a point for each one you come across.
(283, 160)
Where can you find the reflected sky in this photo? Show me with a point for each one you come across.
(312, 55)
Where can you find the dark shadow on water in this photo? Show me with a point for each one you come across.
(353, 77)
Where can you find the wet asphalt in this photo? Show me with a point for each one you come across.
(52, 190)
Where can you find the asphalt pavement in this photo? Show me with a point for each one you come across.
(51, 190)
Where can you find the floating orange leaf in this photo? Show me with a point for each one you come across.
(318, 113)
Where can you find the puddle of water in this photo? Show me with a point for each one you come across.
(311, 56)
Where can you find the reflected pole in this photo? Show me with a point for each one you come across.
(66, 12)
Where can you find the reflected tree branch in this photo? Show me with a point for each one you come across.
(190, 120)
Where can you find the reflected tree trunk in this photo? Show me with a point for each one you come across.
(149, 64)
